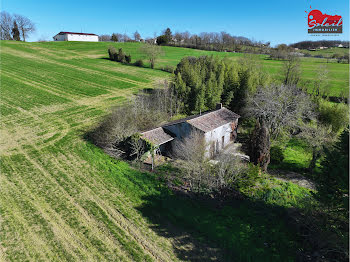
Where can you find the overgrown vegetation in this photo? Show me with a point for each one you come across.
(201, 83)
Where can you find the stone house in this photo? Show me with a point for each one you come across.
(218, 127)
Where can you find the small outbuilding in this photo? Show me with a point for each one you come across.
(71, 36)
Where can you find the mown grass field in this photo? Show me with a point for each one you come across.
(327, 52)
(61, 198)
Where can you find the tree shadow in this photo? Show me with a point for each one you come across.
(212, 230)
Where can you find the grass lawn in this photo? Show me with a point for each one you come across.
(64, 199)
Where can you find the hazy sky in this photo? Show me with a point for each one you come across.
(277, 21)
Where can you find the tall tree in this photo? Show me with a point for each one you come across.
(291, 70)
(115, 37)
(259, 145)
(280, 106)
(6, 24)
(168, 35)
(152, 52)
(317, 136)
(137, 36)
(15, 32)
(25, 26)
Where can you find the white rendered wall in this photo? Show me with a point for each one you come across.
(215, 136)
(87, 38)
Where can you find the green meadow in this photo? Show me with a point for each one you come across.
(61, 198)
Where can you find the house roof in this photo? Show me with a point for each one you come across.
(209, 120)
(213, 119)
(72, 33)
(205, 122)
(157, 136)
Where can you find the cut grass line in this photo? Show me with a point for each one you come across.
(92, 194)
(90, 232)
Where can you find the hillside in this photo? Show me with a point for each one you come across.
(64, 199)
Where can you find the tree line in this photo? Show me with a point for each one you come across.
(212, 41)
(200, 83)
(15, 27)
(319, 43)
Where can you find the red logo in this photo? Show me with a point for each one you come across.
(319, 23)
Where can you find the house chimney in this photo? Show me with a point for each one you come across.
(219, 106)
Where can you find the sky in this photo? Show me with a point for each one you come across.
(277, 21)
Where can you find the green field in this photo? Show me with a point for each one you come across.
(64, 199)
(327, 52)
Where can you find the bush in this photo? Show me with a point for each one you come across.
(332, 114)
(276, 155)
(248, 179)
(162, 40)
(139, 63)
(168, 68)
(119, 56)
(112, 52)
(128, 59)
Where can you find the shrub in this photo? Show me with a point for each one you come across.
(332, 114)
(139, 63)
(168, 68)
(248, 178)
(128, 58)
(112, 52)
(162, 40)
(276, 155)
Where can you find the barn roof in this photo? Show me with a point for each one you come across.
(157, 136)
(73, 33)
(213, 119)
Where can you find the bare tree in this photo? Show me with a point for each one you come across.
(25, 26)
(105, 38)
(125, 38)
(137, 36)
(280, 106)
(317, 136)
(321, 80)
(6, 24)
(152, 52)
(228, 171)
(138, 148)
(191, 152)
(291, 70)
(199, 172)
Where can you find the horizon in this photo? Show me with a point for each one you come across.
(150, 19)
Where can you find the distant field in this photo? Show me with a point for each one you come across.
(327, 51)
(338, 73)
(62, 198)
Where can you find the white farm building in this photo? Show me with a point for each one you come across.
(70, 36)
